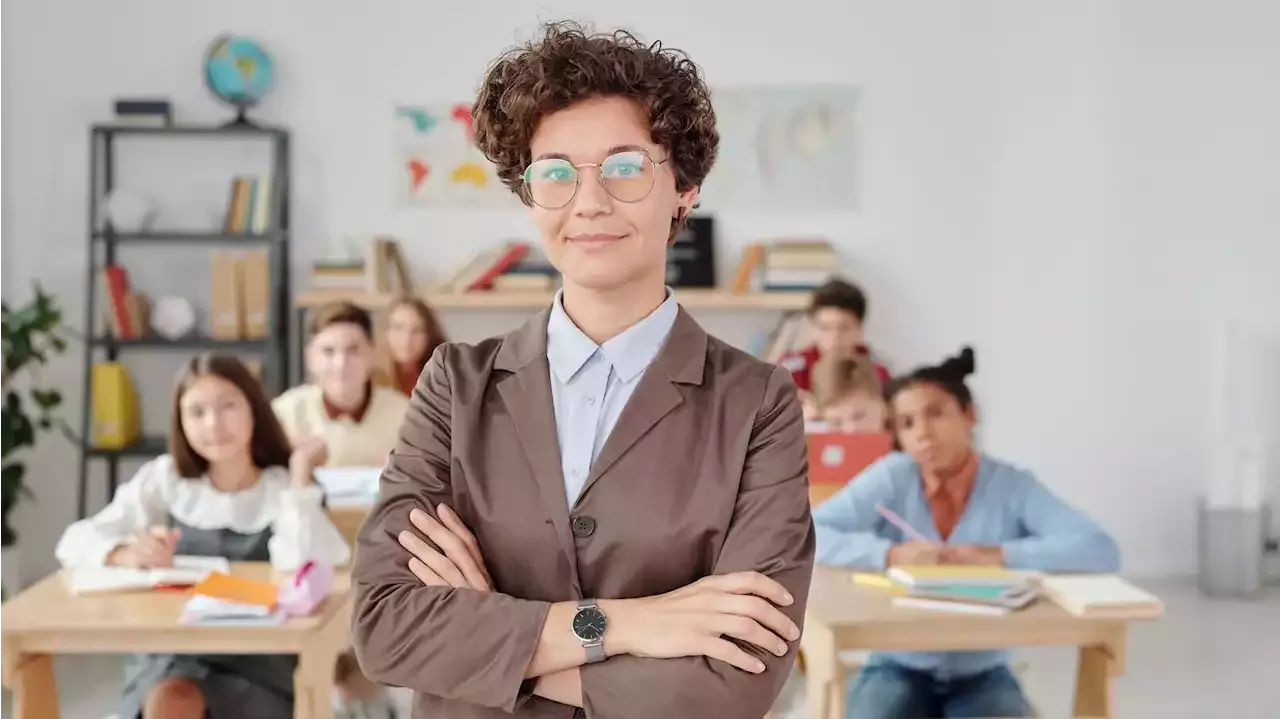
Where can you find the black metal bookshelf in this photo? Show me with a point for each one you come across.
(103, 243)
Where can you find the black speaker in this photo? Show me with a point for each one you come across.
(691, 259)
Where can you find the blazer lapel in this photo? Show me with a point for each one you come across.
(680, 361)
(527, 395)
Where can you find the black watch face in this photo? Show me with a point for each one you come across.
(588, 624)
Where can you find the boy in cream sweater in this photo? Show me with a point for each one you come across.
(342, 416)
(343, 420)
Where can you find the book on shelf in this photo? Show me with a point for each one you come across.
(378, 267)
(785, 266)
(126, 309)
(248, 210)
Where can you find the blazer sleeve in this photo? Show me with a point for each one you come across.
(451, 643)
(772, 533)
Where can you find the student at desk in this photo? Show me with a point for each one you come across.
(228, 487)
(971, 509)
(342, 418)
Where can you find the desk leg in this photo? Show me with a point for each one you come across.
(823, 674)
(35, 693)
(1095, 675)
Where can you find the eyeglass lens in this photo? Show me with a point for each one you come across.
(552, 182)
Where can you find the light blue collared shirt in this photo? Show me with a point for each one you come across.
(590, 383)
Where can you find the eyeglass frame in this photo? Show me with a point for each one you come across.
(577, 167)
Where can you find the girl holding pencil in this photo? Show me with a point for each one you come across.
(940, 501)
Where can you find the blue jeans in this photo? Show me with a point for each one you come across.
(891, 691)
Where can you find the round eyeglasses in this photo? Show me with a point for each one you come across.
(552, 182)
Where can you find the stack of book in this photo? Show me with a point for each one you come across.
(957, 588)
(785, 266)
(511, 268)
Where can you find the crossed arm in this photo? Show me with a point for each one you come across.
(449, 635)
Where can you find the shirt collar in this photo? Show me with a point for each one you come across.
(333, 412)
(568, 349)
(958, 486)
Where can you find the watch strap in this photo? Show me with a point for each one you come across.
(595, 650)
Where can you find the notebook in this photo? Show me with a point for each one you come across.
(206, 610)
(1101, 596)
(240, 590)
(942, 605)
(187, 570)
(956, 575)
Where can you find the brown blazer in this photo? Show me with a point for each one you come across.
(705, 473)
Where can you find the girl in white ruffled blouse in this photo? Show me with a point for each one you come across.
(228, 487)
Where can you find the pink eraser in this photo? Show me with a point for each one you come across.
(310, 585)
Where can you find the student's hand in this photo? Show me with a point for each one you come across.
(307, 455)
(459, 562)
(698, 619)
(151, 550)
(973, 554)
(914, 553)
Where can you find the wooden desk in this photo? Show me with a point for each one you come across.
(841, 616)
(45, 620)
(348, 518)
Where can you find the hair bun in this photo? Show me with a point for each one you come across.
(960, 366)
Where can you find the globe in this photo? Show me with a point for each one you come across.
(238, 72)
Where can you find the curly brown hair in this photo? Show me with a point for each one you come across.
(567, 64)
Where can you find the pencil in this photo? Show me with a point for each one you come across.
(900, 523)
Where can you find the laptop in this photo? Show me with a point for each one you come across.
(835, 458)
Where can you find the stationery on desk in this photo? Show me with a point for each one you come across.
(222, 599)
(954, 588)
(187, 570)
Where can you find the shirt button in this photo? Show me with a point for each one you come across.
(591, 400)
(583, 526)
(575, 473)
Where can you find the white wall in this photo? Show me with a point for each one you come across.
(5, 109)
(1078, 188)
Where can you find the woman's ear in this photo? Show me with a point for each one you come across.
(688, 202)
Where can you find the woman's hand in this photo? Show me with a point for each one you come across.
(696, 619)
(152, 549)
(458, 562)
(307, 455)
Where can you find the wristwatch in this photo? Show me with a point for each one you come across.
(588, 626)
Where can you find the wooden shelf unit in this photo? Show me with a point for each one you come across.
(690, 298)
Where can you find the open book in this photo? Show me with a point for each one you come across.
(187, 570)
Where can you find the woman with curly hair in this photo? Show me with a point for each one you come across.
(604, 512)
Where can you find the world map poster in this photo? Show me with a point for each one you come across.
(438, 164)
(785, 148)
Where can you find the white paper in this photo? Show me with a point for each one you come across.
(340, 482)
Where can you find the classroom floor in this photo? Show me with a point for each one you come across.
(1204, 659)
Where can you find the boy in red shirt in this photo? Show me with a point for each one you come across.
(837, 312)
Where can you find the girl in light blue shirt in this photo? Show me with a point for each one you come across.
(971, 509)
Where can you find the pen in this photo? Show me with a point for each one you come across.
(900, 523)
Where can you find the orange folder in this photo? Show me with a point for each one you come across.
(238, 589)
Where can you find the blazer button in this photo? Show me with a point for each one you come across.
(583, 526)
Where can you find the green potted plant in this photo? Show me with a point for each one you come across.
(31, 339)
